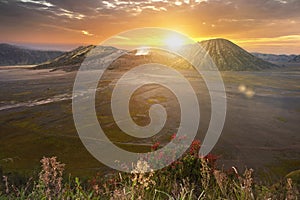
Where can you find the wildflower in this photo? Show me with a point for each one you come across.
(195, 147)
(51, 176)
(211, 159)
(140, 178)
(155, 146)
(247, 183)
(173, 136)
(221, 179)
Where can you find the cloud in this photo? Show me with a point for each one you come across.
(86, 33)
(233, 19)
(121, 37)
(42, 3)
(68, 13)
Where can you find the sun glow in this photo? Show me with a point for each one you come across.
(142, 51)
(174, 42)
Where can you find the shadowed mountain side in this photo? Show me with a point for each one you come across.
(14, 55)
(295, 59)
(230, 57)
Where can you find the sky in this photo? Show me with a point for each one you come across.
(269, 26)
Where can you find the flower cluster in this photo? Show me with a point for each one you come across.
(165, 157)
(50, 177)
(141, 177)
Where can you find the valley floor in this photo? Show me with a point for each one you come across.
(261, 129)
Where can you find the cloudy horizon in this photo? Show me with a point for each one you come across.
(269, 26)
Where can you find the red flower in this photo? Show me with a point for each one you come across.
(211, 159)
(155, 146)
(173, 136)
(195, 147)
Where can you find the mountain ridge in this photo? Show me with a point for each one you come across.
(226, 55)
(71, 61)
(296, 59)
(277, 58)
(68, 61)
(16, 55)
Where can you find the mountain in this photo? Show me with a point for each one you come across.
(275, 58)
(230, 57)
(295, 59)
(71, 61)
(226, 55)
(68, 61)
(14, 55)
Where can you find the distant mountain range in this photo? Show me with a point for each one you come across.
(278, 58)
(15, 55)
(295, 59)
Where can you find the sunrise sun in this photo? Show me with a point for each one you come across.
(174, 41)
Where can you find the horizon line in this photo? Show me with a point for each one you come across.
(66, 47)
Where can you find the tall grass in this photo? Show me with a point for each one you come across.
(191, 177)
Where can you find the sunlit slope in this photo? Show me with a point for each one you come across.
(230, 57)
(68, 61)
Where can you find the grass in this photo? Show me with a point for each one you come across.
(190, 177)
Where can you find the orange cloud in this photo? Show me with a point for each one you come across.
(271, 26)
